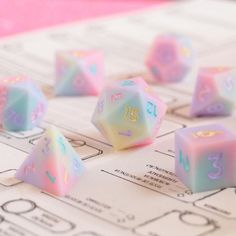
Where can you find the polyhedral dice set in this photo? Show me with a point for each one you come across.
(129, 114)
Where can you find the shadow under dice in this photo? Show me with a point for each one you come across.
(205, 157)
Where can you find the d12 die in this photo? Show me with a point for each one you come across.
(215, 92)
(79, 73)
(170, 58)
(205, 157)
(22, 104)
(128, 113)
(53, 165)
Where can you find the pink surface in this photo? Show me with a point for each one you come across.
(24, 15)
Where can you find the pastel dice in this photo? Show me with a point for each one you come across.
(53, 165)
(129, 113)
(79, 73)
(170, 59)
(215, 92)
(205, 157)
(22, 104)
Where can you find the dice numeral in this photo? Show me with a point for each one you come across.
(216, 163)
(203, 93)
(131, 113)
(151, 109)
(184, 161)
(62, 145)
(207, 133)
(117, 96)
(100, 106)
(14, 117)
(215, 108)
(128, 83)
(229, 83)
(46, 148)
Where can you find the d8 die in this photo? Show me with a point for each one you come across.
(205, 157)
(79, 73)
(22, 104)
(215, 92)
(170, 58)
(128, 113)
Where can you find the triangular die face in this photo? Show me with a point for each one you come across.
(93, 70)
(127, 123)
(74, 82)
(53, 165)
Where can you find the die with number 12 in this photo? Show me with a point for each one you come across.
(129, 113)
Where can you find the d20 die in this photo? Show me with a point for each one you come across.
(215, 92)
(205, 157)
(53, 166)
(170, 58)
(79, 73)
(22, 104)
(129, 113)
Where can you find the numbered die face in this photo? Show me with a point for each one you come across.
(79, 73)
(128, 113)
(170, 58)
(215, 92)
(205, 157)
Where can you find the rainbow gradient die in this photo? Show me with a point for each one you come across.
(205, 157)
(170, 58)
(79, 73)
(215, 92)
(22, 103)
(53, 165)
(129, 113)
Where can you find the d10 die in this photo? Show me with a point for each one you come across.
(128, 113)
(170, 58)
(53, 165)
(215, 92)
(205, 157)
(79, 73)
(22, 104)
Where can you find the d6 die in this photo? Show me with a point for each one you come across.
(79, 73)
(215, 92)
(205, 157)
(128, 113)
(170, 58)
(22, 104)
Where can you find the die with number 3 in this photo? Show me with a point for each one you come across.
(205, 157)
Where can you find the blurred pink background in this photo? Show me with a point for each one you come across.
(23, 15)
